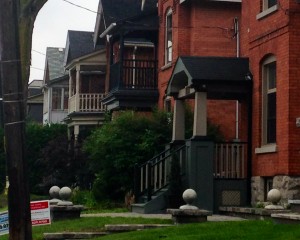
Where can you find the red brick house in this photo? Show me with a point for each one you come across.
(267, 33)
(236, 63)
(270, 37)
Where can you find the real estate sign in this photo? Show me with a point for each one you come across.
(4, 225)
(40, 213)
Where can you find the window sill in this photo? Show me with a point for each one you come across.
(270, 148)
(267, 12)
(168, 65)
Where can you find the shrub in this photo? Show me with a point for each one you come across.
(47, 154)
(118, 145)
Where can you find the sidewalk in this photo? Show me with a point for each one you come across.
(213, 218)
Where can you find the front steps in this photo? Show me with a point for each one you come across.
(157, 204)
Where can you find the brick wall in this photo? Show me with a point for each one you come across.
(277, 34)
(200, 29)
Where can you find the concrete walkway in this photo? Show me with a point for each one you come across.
(213, 218)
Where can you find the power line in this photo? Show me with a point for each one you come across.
(37, 68)
(39, 52)
(76, 5)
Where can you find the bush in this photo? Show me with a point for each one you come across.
(47, 155)
(118, 145)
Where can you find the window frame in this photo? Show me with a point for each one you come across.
(63, 96)
(267, 93)
(266, 9)
(169, 36)
(266, 4)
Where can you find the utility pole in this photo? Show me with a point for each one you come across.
(14, 122)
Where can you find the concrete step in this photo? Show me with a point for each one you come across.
(73, 235)
(286, 218)
(132, 227)
(110, 229)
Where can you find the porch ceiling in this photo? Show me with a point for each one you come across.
(220, 77)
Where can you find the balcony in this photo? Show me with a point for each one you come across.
(84, 102)
(133, 84)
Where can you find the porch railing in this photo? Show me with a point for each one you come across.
(153, 175)
(133, 74)
(230, 160)
(86, 102)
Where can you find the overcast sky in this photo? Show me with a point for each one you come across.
(52, 24)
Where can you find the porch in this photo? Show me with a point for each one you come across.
(152, 179)
(133, 84)
(219, 172)
(86, 102)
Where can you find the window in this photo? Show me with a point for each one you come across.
(267, 7)
(269, 100)
(268, 186)
(168, 106)
(168, 41)
(60, 98)
(268, 4)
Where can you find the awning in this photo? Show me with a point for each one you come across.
(220, 77)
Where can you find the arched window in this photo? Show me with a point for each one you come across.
(269, 100)
(168, 37)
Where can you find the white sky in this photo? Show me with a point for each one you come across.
(52, 24)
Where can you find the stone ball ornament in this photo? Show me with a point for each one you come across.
(65, 193)
(274, 196)
(54, 192)
(189, 196)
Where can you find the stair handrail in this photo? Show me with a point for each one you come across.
(145, 173)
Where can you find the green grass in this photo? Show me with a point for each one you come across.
(245, 230)
(240, 230)
(85, 224)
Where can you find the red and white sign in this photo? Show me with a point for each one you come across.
(40, 213)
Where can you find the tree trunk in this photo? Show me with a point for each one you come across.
(16, 26)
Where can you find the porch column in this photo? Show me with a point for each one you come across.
(70, 84)
(77, 107)
(200, 114)
(178, 121)
(76, 133)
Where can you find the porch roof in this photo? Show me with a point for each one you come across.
(220, 77)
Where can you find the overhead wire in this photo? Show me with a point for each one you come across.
(76, 5)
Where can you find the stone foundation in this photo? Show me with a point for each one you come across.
(289, 187)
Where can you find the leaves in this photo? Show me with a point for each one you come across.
(118, 145)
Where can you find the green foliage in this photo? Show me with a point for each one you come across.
(85, 198)
(47, 155)
(118, 145)
(213, 131)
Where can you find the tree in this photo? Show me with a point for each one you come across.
(16, 26)
(117, 146)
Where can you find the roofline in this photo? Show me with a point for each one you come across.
(74, 61)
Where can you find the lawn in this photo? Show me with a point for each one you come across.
(92, 224)
(245, 230)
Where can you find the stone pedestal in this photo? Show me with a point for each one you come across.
(65, 212)
(180, 216)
